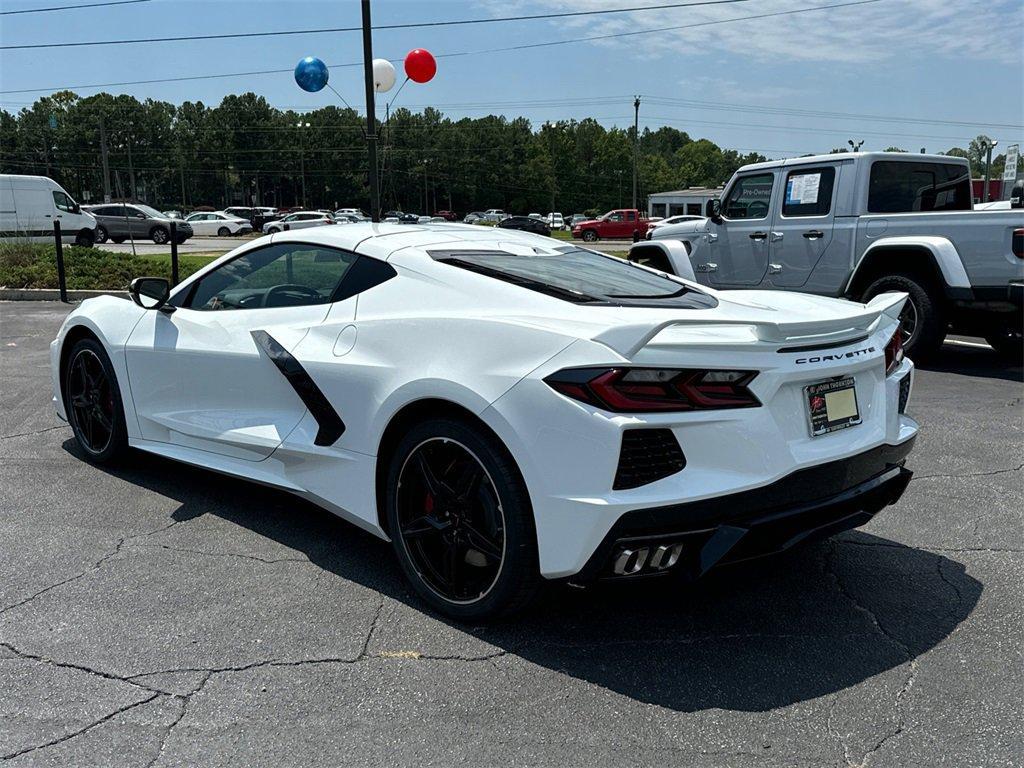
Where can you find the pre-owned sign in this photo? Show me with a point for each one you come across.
(1010, 171)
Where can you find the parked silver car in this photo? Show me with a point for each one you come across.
(119, 221)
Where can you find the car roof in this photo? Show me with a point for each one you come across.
(840, 156)
(382, 240)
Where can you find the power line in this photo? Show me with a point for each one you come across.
(411, 25)
(72, 7)
(507, 49)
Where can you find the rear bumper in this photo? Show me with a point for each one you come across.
(808, 504)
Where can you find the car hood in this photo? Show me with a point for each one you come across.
(665, 231)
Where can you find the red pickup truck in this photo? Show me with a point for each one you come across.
(624, 223)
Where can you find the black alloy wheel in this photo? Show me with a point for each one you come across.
(94, 402)
(460, 521)
(101, 234)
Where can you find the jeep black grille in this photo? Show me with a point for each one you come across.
(647, 455)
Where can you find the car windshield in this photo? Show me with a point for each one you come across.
(152, 213)
(580, 276)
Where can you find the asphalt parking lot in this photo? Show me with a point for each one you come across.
(159, 615)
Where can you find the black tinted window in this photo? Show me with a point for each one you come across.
(809, 192)
(580, 276)
(749, 197)
(903, 187)
(285, 275)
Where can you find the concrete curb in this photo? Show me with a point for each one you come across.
(52, 294)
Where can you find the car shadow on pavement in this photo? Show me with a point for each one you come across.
(751, 637)
(973, 361)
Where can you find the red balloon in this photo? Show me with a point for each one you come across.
(420, 66)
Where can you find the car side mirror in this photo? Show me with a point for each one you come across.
(713, 210)
(150, 292)
(140, 215)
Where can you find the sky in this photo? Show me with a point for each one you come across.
(906, 73)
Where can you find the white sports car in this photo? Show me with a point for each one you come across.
(504, 407)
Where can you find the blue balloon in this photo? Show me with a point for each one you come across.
(311, 74)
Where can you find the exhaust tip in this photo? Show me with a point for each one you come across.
(630, 561)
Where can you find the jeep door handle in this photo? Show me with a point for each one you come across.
(712, 237)
(774, 269)
(813, 234)
(711, 266)
(776, 236)
(758, 235)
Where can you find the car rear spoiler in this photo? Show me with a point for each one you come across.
(629, 339)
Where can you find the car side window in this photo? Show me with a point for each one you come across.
(615, 217)
(749, 197)
(63, 202)
(809, 192)
(284, 275)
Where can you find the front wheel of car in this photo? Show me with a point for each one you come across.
(460, 520)
(93, 403)
(159, 235)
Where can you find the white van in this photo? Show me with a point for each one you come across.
(30, 204)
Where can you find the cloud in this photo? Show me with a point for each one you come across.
(882, 33)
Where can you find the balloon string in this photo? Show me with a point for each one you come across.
(340, 96)
(395, 97)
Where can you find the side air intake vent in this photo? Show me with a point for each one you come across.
(647, 455)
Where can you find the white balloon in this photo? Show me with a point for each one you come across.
(383, 75)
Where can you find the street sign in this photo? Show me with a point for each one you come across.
(1010, 171)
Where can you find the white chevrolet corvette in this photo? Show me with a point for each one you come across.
(505, 408)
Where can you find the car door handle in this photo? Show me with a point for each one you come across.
(712, 237)
(774, 269)
(711, 266)
(813, 234)
(776, 236)
(758, 235)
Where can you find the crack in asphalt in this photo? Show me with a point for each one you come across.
(946, 550)
(36, 432)
(91, 569)
(830, 565)
(80, 731)
(205, 553)
(185, 701)
(1003, 471)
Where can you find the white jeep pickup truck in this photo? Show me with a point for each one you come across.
(857, 225)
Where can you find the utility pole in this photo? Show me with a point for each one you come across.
(988, 170)
(106, 163)
(636, 143)
(371, 113)
(181, 173)
(855, 145)
(131, 172)
(302, 156)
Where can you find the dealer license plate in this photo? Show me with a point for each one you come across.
(832, 405)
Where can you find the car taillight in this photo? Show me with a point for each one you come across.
(642, 390)
(1018, 243)
(894, 352)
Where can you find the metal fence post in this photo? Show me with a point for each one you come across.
(61, 277)
(174, 253)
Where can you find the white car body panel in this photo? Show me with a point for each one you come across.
(204, 225)
(197, 389)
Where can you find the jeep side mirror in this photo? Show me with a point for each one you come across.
(713, 210)
(150, 292)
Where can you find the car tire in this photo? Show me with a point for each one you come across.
(103, 439)
(923, 319)
(117, 239)
(101, 234)
(223, 232)
(84, 239)
(497, 508)
(590, 236)
(1008, 342)
(159, 235)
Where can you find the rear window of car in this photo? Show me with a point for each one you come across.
(581, 277)
(907, 187)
